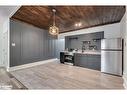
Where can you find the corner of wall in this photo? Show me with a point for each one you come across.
(125, 80)
(123, 30)
(1, 33)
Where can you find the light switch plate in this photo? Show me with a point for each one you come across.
(13, 44)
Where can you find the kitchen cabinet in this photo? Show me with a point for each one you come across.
(91, 61)
(78, 41)
(94, 61)
(80, 60)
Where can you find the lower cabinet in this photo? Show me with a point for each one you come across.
(94, 61)
(88, 61)
(80, 60)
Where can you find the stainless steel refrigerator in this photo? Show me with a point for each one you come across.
(111, 56)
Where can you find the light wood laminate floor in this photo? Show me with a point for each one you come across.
(7, 81)
(61, 76)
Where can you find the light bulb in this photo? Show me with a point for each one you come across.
(53, 31)
(79, 24)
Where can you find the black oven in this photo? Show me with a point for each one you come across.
(66, 57)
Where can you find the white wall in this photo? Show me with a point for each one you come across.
(5, 13)
(1, 29)
(5, 43)
(110, 31)
(123, 29)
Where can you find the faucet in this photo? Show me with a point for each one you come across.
(95, 47)
(83, 48)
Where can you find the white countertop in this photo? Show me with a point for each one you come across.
(96, 52)
(90, 52)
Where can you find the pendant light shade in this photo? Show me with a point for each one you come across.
(53, 29)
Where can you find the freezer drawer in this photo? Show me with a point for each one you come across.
(111, 62)
(114, 43)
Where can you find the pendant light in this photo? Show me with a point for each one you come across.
(53, 29)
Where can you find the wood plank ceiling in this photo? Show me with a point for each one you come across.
(68, 16)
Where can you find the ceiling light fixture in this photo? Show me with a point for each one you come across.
(53, 29)
(78, 24)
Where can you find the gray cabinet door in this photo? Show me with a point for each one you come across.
(88, 61)
(80, 60)
(94, 61)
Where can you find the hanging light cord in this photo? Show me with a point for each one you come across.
(53, 30)
(54, 11)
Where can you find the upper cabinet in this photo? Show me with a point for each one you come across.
(78, 41)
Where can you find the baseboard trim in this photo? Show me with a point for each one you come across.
(2, 65)
(31, 64)
(125, 81)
